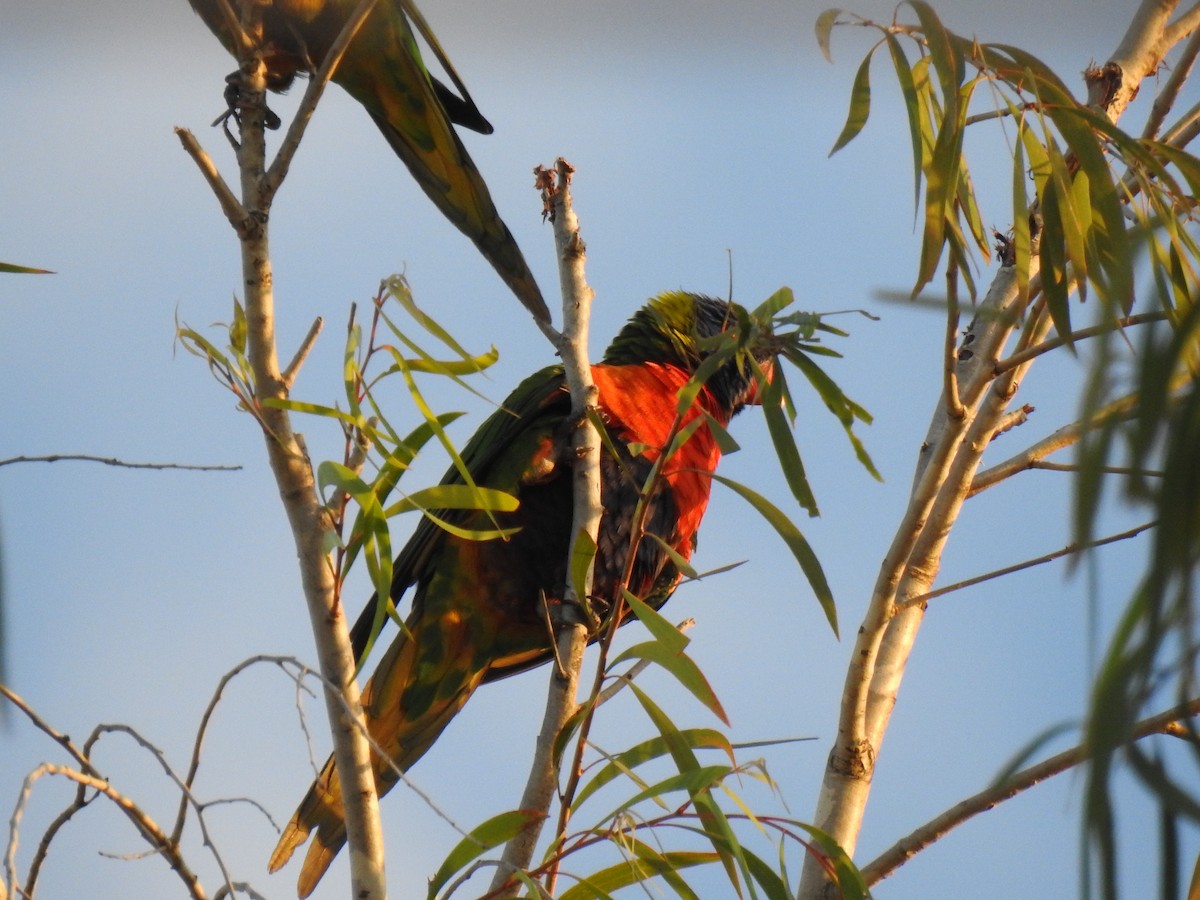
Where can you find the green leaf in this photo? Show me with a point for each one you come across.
(912, 106)
(1054, 262)
(941, 182)
(677, 560)
(715, 824)
(860, 105)
(784, 441)
(627, 761)
(470, 534)
(583, 555)
(777, 302)
(634, 871)
(683, 667)
(768, 879)
(455, 366)
(845, 874)
(454, 496)
(1022, 245)
(693, 782)
(947, 61)
(370, 525)
(795, 541)
(824, 28)
(725, 442)
(845, 409)
(398, 287)
(660, 628)
(495, 831)
(23, 270)
(237, 330)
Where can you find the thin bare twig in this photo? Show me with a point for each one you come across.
(954, 406)
(1123, 407)
(145, 825)
(1025, 355)
(230, 205)
(202, 729)
(293, 368)
(1027, 564)
(278, 170)
(1106, 470)
(113, 461)
(904, 849)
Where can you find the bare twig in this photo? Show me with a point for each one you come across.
(230, 205)
(1106, 470)
(954, 406)
(1121, 408)
(275, 175)
(904, 849)
(42, 725)
(1011, 420)
(293, 368)
(202, 729)
(1181, 70)
(1025, 355)
(145, 825)
(113, 461)
(1068, 550)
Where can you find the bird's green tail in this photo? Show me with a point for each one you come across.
(417, 689)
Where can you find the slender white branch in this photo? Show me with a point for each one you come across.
(571, 631)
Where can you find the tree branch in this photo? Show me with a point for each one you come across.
(907, 847)
(571, 632)
(309, 520)
(921, 599)
(945, 475)
(1025, 355)
(1121, 408)
(316, 87)
(145, 825)
(113, 461)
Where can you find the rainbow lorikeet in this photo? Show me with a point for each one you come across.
(478, 612)
(382, 69)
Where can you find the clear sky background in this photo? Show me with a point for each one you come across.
(698, 130)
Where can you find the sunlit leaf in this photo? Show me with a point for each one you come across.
(860, 105)
(824, 28)
(454, 496)
(912, 106)
(495, 831)
(628, 760)
(23, 270)
(795, 541)
(598, 885)
(784, 441)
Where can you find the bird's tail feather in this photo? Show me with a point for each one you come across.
(415, 692)
(449, 178)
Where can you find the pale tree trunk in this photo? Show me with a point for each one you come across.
(976, 404)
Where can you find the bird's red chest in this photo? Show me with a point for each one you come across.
(639, 404)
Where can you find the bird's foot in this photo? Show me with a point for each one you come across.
(235, 100)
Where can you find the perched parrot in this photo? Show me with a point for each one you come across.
(382, 69)
(478, 609)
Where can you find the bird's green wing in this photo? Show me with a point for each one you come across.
(539, 402)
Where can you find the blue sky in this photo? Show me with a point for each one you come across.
(699, 130)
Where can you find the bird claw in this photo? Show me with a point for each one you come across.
(235, 100)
